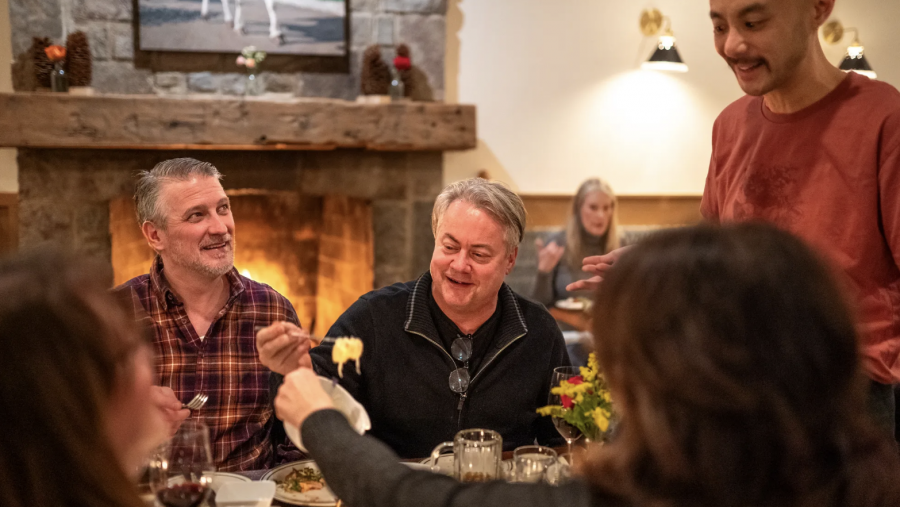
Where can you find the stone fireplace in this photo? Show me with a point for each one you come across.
(330, 198)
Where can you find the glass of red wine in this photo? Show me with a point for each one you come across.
(569, 432)
(180, 471)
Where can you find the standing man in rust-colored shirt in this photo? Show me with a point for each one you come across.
(816, 152)
(204, 313)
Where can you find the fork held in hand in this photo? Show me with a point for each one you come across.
(197, 402)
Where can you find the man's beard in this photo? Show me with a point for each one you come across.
(195, 262)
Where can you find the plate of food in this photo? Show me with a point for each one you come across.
(575, 304)
(301, 483)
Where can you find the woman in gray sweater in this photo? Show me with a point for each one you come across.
(732, 359)
(592, 229)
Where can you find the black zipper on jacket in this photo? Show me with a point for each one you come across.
(463, 395)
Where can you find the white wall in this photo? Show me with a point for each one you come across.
(9, 180)
(561, 98)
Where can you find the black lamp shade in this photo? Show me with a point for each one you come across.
(666, 55)
(665, 59)
(857, 64)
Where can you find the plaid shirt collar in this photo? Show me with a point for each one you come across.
(163, 291)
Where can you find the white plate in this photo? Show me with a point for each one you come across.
(417, 466)
(444, 464)
(570, 304)
(319, 498)
(218, 479)
(354, 412)
(575, 337)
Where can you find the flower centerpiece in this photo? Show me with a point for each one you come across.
(585, 401)
(57, 56)
(250, 58)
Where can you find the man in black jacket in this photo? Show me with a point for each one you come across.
(454, 349)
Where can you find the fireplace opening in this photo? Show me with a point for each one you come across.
(317, 251)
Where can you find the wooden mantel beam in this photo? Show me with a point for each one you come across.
(58, 120)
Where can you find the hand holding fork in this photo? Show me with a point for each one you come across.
(283, 347)
(196, 402)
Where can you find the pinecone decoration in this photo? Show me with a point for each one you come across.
(405, 69)
(78, 59)
(42, 65)
(375, 78)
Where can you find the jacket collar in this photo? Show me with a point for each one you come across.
(419, 319)
(163, 291)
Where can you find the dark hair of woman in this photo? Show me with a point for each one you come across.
(65, 346)
(732, 359)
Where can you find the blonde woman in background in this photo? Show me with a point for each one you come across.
(592, 229)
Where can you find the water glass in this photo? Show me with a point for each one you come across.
(530, 463)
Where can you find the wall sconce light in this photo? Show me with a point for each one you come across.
(855, 59)
(666, 56)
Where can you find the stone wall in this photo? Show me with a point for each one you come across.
(119, 68)
(65, 195)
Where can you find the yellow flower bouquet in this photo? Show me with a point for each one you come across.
(585, 401)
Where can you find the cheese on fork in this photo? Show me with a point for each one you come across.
(346, 349)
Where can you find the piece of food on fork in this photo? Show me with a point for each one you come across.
(346, 349)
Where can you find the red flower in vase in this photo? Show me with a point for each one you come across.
(55, 53)
(402, 63)
(566, 401)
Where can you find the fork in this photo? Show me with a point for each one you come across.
(316, 339)
(197, 402)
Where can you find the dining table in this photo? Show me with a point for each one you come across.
(256, 475)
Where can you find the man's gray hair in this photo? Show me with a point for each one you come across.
(149, 186)
(492, 197)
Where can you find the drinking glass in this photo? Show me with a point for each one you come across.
(477, 454)
(530, 462)
(569, 432)
(180, 471)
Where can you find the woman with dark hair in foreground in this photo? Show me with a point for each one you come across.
(75, 389)
(732, 359)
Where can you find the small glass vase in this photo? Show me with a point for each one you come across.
(254, 83)
(396, 90)
(59, 81)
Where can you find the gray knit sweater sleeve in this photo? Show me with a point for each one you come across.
(363, 472)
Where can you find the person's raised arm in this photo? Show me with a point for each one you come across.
(549, 256)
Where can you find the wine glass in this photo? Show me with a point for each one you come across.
(569, 432)
(180, 471)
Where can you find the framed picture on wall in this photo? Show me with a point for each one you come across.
(290, 27)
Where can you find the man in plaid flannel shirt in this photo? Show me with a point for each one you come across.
(203, 314)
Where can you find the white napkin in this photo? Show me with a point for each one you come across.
(249, 494)
(344, 403)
